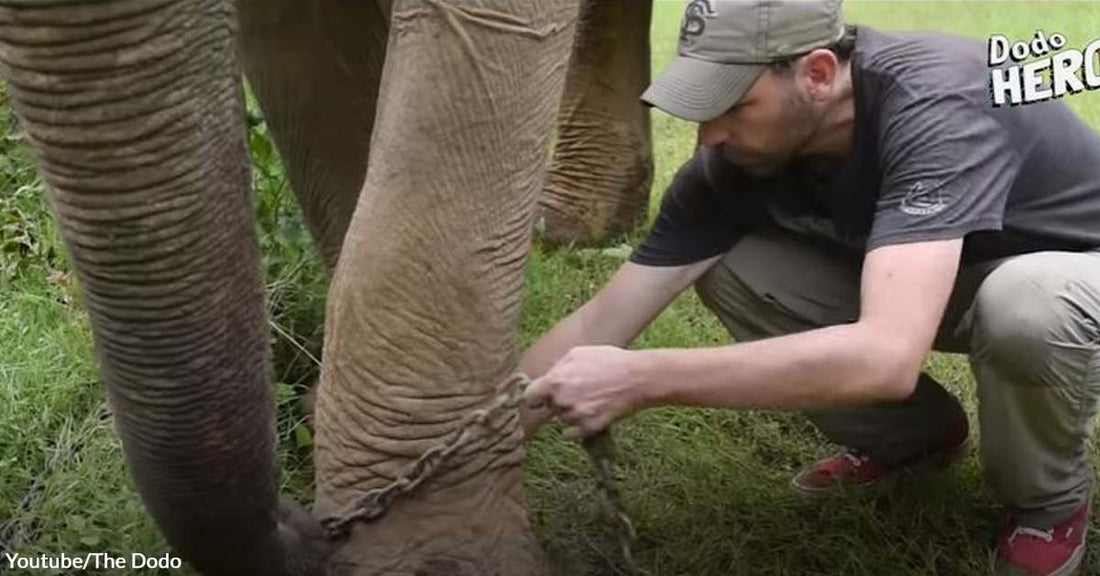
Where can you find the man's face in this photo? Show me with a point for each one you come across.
(770, 124)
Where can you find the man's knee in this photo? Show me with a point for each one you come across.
(1028, 311)
(726, 295)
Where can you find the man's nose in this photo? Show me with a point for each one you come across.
(712, 133)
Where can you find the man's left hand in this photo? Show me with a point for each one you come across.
(590, 387)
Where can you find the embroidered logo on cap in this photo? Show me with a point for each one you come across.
(694, 22)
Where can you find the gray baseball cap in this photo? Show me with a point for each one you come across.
(726, 44)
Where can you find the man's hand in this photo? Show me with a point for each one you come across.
(590, 387)
(614, 316)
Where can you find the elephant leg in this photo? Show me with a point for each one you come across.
(314, 67)
(132, 110)
(423, 306)
(598, 183)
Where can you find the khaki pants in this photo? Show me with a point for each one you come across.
(1029, 324)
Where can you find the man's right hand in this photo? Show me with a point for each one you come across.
(633, 297)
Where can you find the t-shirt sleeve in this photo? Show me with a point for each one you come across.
(697, 219)
(947, 168)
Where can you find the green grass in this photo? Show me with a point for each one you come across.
(707, 488)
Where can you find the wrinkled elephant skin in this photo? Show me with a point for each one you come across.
(424, 303)
(598, 183)
(314, 68)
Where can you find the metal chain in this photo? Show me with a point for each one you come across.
(376, 502)
(601, 451)
(600, 448)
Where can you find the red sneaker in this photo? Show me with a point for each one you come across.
(855, 470)
(1055, 551)
(849, 469)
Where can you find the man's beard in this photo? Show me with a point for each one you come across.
(755, 164)
(800, 122)
(765, 166)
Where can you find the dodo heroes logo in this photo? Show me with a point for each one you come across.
(695, 16)
(1066, 72)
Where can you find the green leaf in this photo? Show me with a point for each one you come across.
(303, 438)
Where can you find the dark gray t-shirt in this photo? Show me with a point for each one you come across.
(931, 159)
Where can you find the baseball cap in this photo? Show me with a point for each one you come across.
(726, 44)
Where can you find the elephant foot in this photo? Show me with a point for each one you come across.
(471, 530)
(586, 223)
(303, 544)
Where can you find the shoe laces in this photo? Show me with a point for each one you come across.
(856, 458)
(1045, 535)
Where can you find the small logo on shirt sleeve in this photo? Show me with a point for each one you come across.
(924, 199)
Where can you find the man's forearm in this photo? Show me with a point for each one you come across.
(633, 297)
(838, 365)
(617, 314)
(570, 332)
(537, 359)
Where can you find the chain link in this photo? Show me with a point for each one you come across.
(601, 452)
(376, 502)
(600, 449)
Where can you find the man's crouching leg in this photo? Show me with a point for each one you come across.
(1035, 353)
(772, 284)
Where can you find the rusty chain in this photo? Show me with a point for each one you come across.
(601, 452)
(600, 449)
(376, 502)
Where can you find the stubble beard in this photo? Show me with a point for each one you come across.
(800, 124)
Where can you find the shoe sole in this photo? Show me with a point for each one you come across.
(932, 463)
(1074, 563)
(1070, 568)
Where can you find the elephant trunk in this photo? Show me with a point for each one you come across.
(133, 111)
(598, 183)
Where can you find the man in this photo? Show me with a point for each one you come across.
(856, 200)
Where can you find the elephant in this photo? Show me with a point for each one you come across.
(597, 186)
(416, 136)
(598, 182)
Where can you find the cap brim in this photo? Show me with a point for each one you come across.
(699, 90)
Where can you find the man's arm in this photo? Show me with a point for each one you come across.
(905, 289)
(629, 301)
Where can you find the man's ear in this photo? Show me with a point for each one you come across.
(817, 73)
